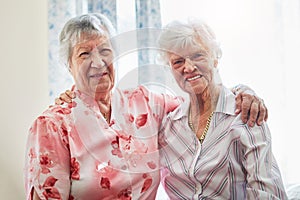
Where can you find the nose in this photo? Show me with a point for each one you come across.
(97, 61)
(188, 66)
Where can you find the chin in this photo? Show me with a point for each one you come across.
(106, 88)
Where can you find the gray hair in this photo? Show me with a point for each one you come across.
(92, 24)
(178, 35)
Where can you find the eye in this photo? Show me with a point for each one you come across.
(197, 56)
(84, 54)
(177, 63)
(105, 52)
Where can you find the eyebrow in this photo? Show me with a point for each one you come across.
(178, 56)
(89, 47)
(82, 47)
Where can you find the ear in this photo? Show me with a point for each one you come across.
(69, 66)
(216, 62)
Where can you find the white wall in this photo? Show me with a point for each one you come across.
(23, 85)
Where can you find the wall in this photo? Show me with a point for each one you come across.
(23, 85)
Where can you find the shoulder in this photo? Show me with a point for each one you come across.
(250, 136)
(52, 120)
(147, 94)
(57, 112)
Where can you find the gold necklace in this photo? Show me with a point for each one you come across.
(106, 115)
(206, 127)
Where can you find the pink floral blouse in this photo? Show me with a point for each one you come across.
(72, 153)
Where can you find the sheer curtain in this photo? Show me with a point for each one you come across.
(260, 43)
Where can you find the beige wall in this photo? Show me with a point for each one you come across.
(23, 85)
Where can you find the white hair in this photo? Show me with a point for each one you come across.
(178, 35)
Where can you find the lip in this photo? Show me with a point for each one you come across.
(98, 75)
(194, 77)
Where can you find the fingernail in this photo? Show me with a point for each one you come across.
(237, 110)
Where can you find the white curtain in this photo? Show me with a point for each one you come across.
(261, 48)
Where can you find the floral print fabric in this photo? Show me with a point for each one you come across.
(73, 153)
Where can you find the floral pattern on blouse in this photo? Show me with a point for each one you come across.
(73, 153)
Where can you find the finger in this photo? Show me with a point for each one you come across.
(254, 112)
(73, 88)
(261, 113)
(246, 105)
(238, 103)
(65, 98)
(266, 109)
(70, 94)
(58, 101)
(267, 114)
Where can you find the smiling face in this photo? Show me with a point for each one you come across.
(91, 66)
(192, 51)
(192, 68)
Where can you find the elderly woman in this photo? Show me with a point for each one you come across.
(104, 144)
(83, 150)
(227, 159)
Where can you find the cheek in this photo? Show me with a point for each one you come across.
(79, 72)
(112, 71)
(178, 78)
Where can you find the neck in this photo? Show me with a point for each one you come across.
(202, 105)
(104, 103)
(206, 102)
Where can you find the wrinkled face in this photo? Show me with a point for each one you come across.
(91, 66)
(192, 68)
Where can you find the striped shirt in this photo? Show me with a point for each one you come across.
(235, 161)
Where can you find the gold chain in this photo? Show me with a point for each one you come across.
(206, 127)
(106, 115)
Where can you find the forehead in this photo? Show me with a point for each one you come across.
(187, 51)
(91, 41)
(188, 46)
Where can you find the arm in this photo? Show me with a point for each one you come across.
(47, 168)
(35, 196)
(252, 108)
(262, 173)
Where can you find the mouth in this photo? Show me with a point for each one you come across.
(98, 75)
(192, 78)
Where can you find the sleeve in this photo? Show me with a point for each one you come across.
(47, 160)
(263, 176)
(161, 104)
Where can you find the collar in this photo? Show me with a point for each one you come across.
(87, 100)
(226, 102)
(225, 105)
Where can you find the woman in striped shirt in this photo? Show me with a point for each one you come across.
(216, 156)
